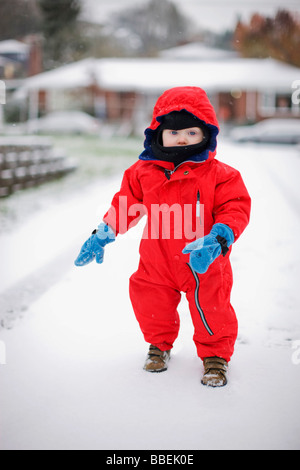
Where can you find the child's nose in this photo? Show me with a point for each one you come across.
(181, 139)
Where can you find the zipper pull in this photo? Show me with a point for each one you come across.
(168, 174)
(199, 226)
(198, 207)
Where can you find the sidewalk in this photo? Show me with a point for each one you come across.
(73, 377)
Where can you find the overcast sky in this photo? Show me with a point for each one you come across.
(216, 15)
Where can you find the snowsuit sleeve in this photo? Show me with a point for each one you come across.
(127, 205)
(232, 203)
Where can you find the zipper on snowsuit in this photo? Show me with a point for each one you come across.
(201, 313)
(169, 173)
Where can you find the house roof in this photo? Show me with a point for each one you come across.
(157, 75)
(197, 51)
(12, 46)
(75, 75)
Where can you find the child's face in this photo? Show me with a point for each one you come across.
(183, 137)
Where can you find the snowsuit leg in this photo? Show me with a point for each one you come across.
(215, 323)
(155, 308)
(213, 316)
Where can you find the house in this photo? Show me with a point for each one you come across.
(125, 90)
(14, 58)
(19, 60)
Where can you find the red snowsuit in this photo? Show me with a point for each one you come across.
(170, 199)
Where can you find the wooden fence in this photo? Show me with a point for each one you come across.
(29, 161)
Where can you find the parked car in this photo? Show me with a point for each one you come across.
(276, 131)
(64, 122)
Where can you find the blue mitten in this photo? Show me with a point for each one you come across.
(94, 246)
(204, 251)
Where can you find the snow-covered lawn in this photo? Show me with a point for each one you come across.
(73, 377)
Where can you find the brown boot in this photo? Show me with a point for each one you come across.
(157, 360)
(215, 369)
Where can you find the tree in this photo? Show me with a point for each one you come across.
(18, 18)
(62, 37)
(153, 27)
(277, 37)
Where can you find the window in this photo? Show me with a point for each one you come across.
(281, 104)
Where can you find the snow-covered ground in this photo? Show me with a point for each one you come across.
(73, 376)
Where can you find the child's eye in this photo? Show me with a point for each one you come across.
(192, 133)
(174, 132)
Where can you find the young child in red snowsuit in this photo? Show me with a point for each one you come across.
(196, 208)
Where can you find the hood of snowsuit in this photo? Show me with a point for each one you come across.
(193, 100)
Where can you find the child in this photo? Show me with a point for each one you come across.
(196, 208)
